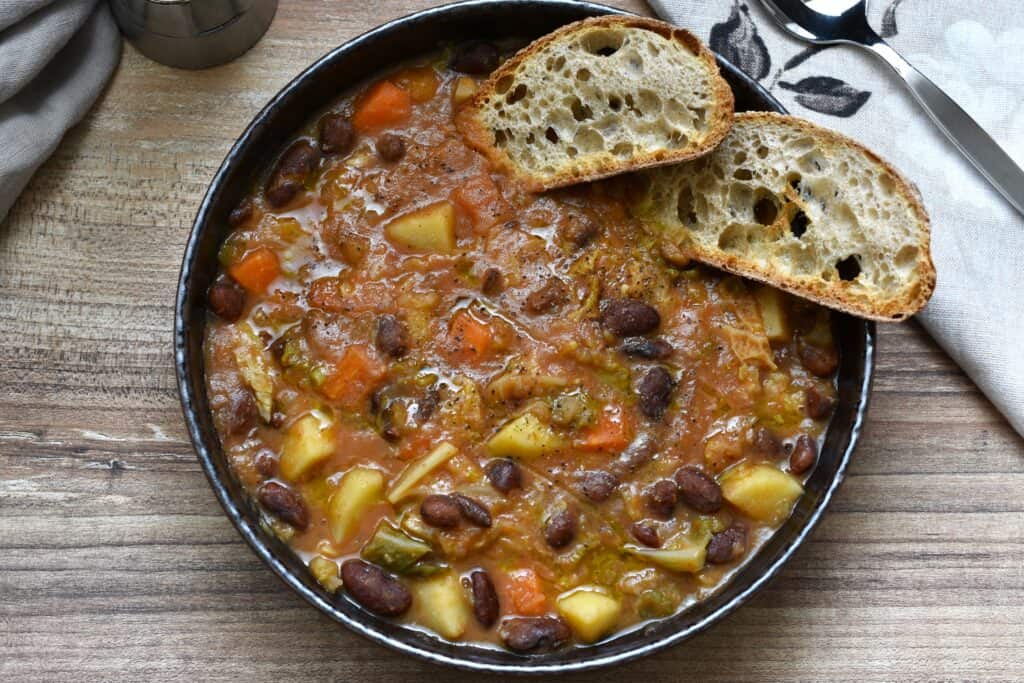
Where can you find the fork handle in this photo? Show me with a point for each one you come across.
(964, 132)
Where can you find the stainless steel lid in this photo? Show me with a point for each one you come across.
(193, 34)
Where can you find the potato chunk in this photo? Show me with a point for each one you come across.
(524, 437)
(464, 88)
(360, 488)
(590, 611)
(307, 444)
(418, 469)
(431, 229)
(773, 313)
(685, 557)
(761, 491)
(443, 605)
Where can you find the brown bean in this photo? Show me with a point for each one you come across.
(661, 498)
(633, 458)
(375, 589)
(817, 404)
(504, 475)
(577, 230)
(241, 213)
(337, 136)
(650, 349)
(226, 299)
(766, 445)
(560, 529)
(598, 485)
(532, 634)
(266, 462)
(485, 598)
(492, 282)
(818, 361)
(655, 390)
(727, 545)
(629, 317)
(552, 294)
(240, 412)
(698, 490)
(391, 338)
(285, 503)
(804, 455)
(475, 58)
(646, 533)
(473, 511)
(290, 173)
(390, 147)
(440, 511)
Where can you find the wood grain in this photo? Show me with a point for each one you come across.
(117, 564)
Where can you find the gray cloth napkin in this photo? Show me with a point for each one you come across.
(55, 58)
(975, 51)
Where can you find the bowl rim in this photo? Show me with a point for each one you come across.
(253, 535)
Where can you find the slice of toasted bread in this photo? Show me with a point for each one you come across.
(599, 97)
(801, 208)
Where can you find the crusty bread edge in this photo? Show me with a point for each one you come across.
(480, 138)
(896, 309)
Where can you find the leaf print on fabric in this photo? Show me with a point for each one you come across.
(802, 56)
(737, 40)
(889, 20)
(827, 95)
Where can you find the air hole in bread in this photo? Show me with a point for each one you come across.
(583, 75)
(572, 152)
(500, 138)
(762, 152)
(602, 43)
(517, 94)
(580, 111)
(742, 174)
(551, 135)
(530, 139)
(699, 117)
(685, 209)
(739, 157)
(678, 138)
(812, 162)
(793, 180)
(623, 149)
(798, 224)
(885, 181)
(906, 257)
(503, 84)
(735, 236)
(848, 268)
(614, 103)
(765, 209)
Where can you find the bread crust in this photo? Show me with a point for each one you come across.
(910, 300)
(481, 138)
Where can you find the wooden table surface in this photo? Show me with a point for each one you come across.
(116, 562)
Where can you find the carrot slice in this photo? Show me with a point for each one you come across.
(613, 432)
(385, 104)
(526, 593)
(470, 338)
(256, 270)
(354, 376)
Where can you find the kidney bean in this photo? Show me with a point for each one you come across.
(550, 296)
(661, 498)
(226, 299)
(440, 511)
(504, 475)
(266, 462)
(655, 390)
(485, 598)
(804, 455)
(240, 412)
(629, 317)
(391, 338)
(577, 230)
(290, 172)
(375, 589)
(285, 503)
(531, 634)
(642, 347)
(492, 282)
(633, 458)
(473, 510)
(818, 361)
(241, 213)
(390, 147)
(698, 490)
(727, 545)
(646, 533)
(598, 485)
(337, 136)
(766, 445)
(560, 529)
(817, 404)
(475, 58)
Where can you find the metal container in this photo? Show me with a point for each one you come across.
(193, 34)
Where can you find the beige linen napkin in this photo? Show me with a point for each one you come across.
(975, 51)
(55, 58)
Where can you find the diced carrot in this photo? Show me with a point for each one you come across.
(385, 104)
(419, 81)
(526, 593)
(613, 432)
(354, 376)
(481, 201)
(470, 339)
(256, 270)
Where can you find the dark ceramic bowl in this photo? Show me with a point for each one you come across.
(319, 85)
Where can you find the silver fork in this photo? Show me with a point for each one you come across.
(845, 21)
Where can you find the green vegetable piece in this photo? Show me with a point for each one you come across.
(392, 549)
